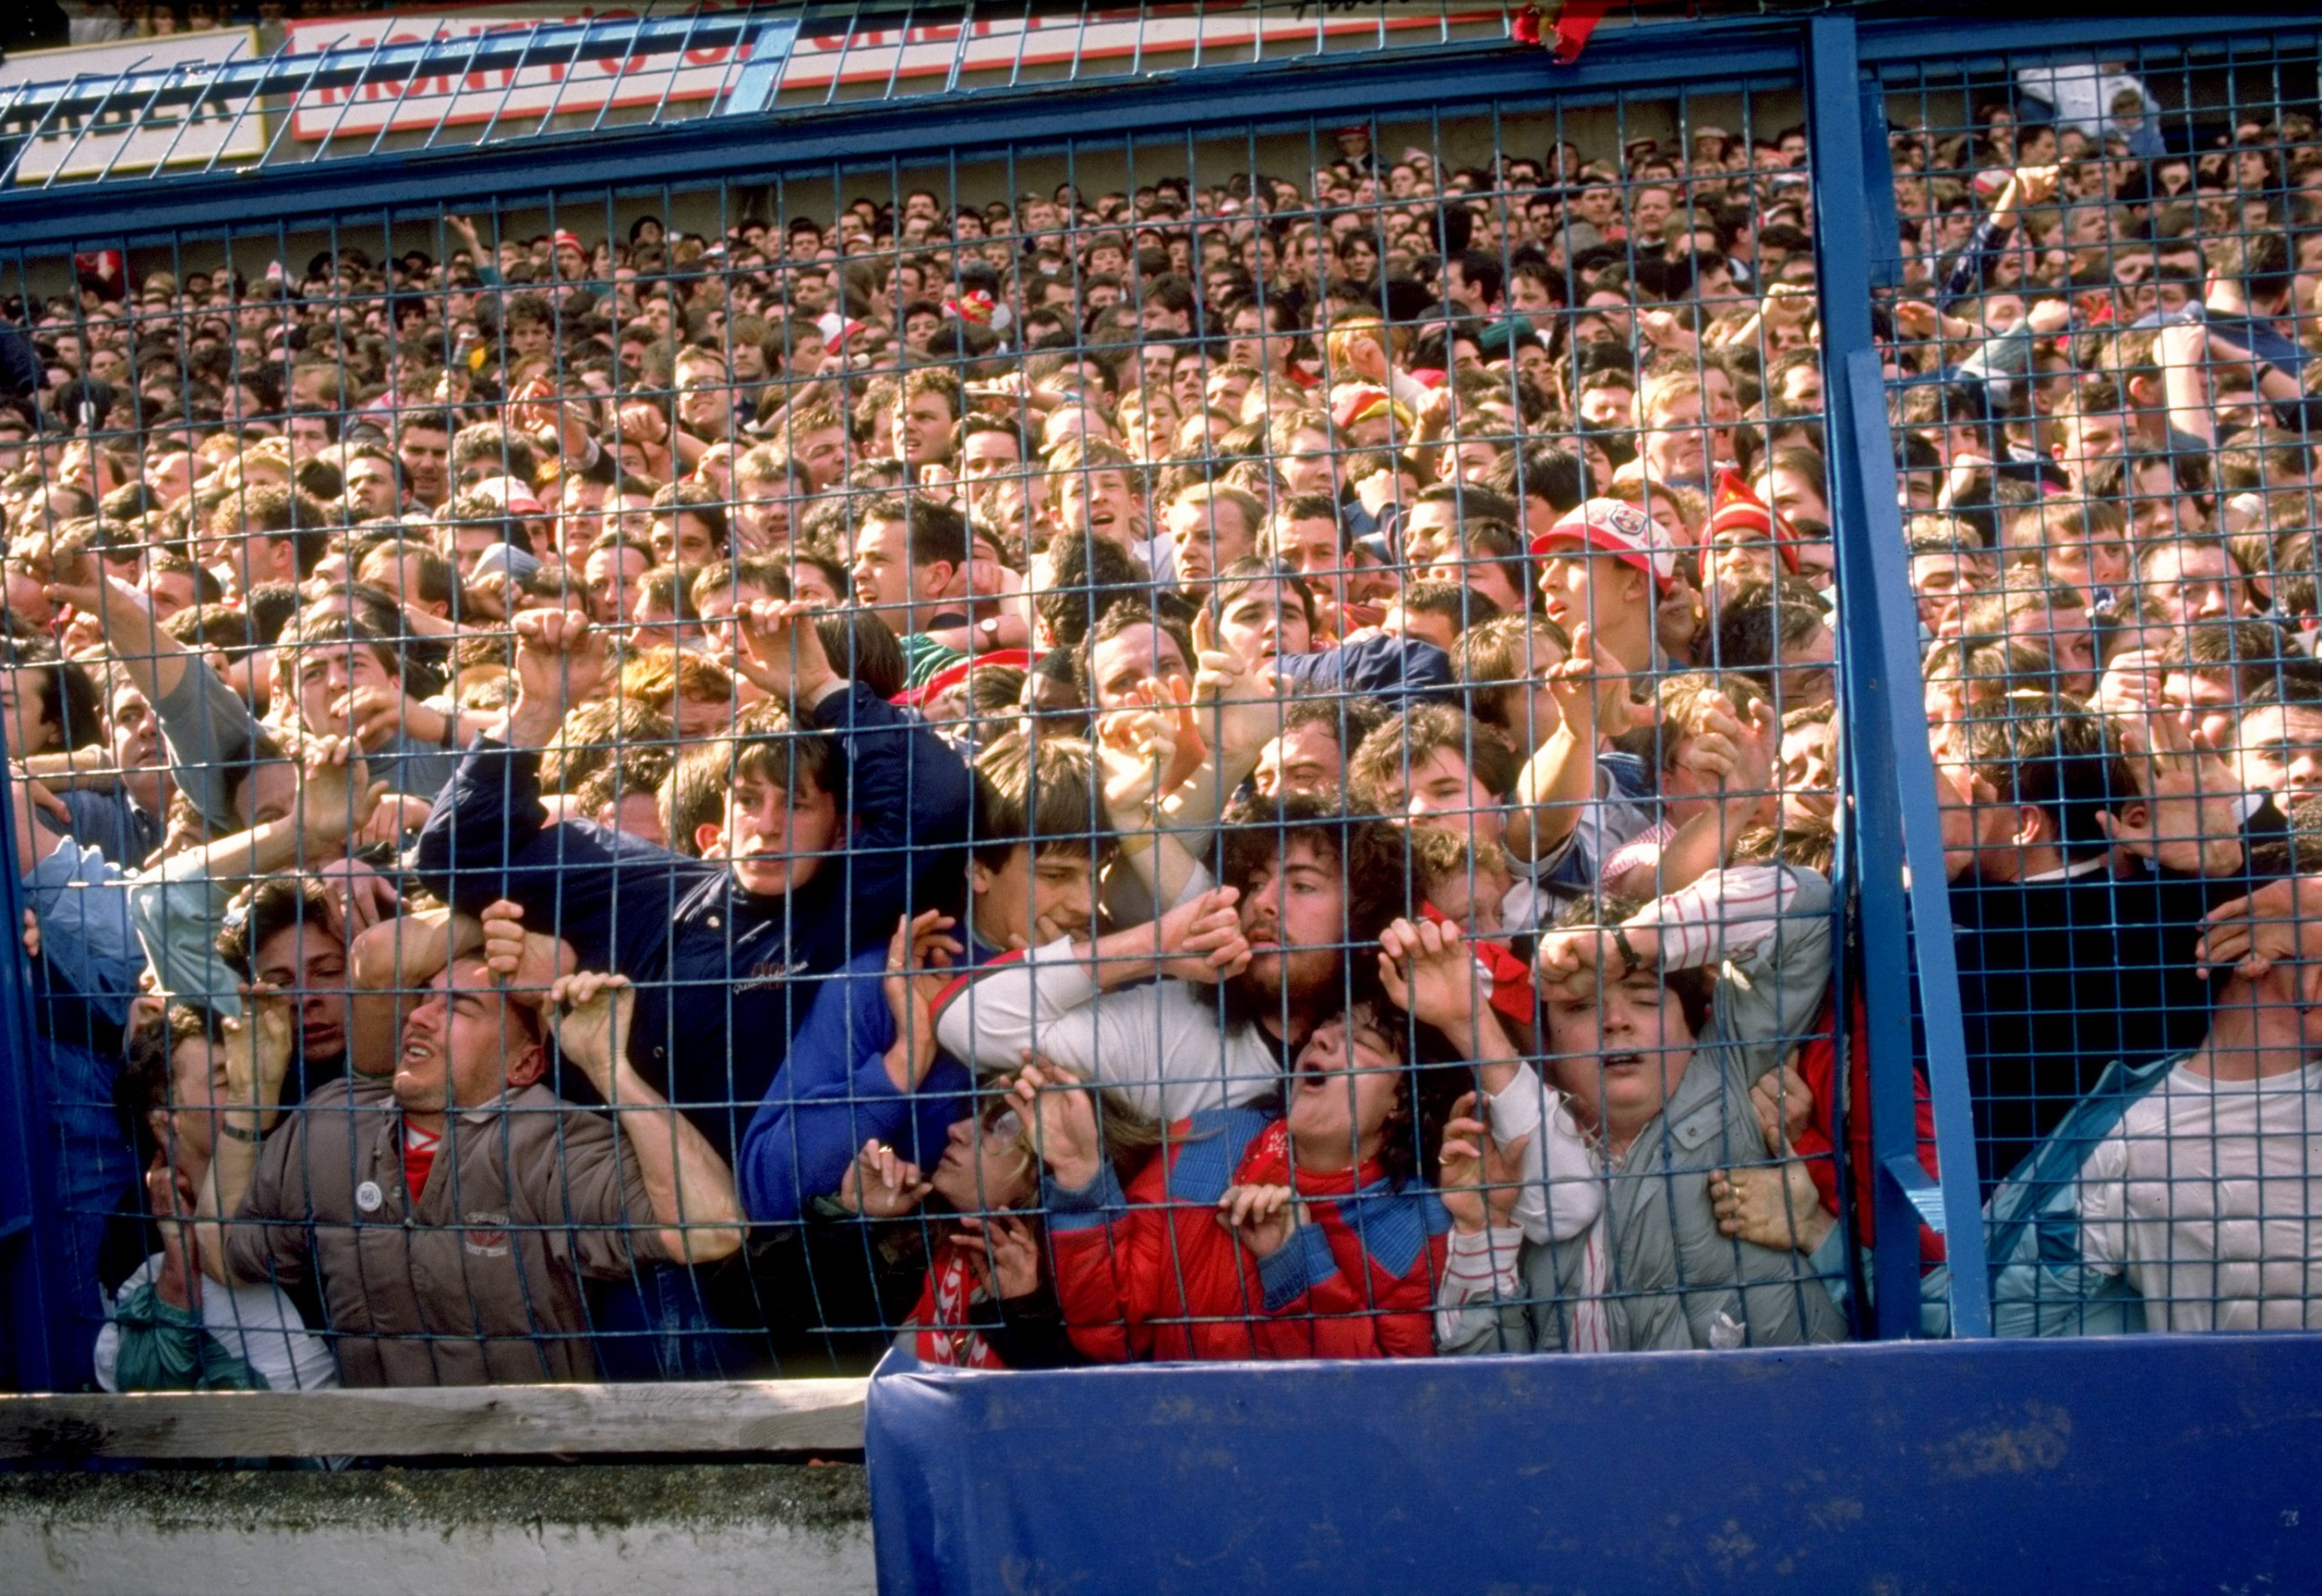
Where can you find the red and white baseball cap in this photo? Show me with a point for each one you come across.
(510, 494)
(836, 329)
(1621, 530)
(573, 240)
(1357, 402)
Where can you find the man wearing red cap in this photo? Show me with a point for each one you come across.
(1606, 566)
(571, 256)
(1744, 542)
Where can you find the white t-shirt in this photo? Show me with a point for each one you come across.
(2208, 1195)
(258, 1322)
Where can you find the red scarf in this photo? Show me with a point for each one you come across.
(944, 1336)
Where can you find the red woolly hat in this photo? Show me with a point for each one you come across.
(1738, 509)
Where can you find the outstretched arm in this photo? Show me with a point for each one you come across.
(1593, 695)
(689, 1186)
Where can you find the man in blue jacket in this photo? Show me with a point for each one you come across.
(866, 1067)
(831, 829)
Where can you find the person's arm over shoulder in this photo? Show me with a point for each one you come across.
(1041, 1001)
(488, 838)
(208, 731)
(1737, 914)
(1769, 924)
(1382, 663)
(177, 910)
(481, 823)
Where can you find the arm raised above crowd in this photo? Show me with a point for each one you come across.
(1428, 969)
(205, 724)
(178, 906)
(257, 1057)
(1163, 1045)
(1592, 691)
(489, 836)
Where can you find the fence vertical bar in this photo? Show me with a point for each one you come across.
(1896, 824)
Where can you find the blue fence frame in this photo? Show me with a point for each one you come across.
(2161, 1463)
(1893, 828)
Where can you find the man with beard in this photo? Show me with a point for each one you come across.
(1247, 969)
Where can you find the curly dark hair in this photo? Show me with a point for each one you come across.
(1371, 854)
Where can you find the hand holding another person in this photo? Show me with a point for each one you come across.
(1062, 1112)
(1774, 1205)
(1576, 963)
(919, 959)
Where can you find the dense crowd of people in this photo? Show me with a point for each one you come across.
(1202, 772)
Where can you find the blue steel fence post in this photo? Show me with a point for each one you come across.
(1895, 823)
(34, 1315)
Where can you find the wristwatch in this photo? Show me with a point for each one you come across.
(1628, 952)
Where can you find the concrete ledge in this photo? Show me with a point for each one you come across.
(708, 1417)
(768, 1528)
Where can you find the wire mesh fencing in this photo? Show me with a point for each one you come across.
(1209, 745)
(2103, 347)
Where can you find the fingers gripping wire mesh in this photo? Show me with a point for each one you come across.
(1190, 746)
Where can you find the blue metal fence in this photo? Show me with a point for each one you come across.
(780, 146)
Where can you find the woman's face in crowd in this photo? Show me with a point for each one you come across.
(986, 1168)
(308, 961)
(1346, 1084)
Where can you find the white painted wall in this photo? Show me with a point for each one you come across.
(389, 1535)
